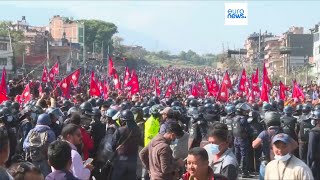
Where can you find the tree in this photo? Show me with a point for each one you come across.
(98, 32)
(183, 55)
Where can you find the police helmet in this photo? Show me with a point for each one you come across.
(175, 103)
(272, 119)
(92, 101)
(72, 110)
(99, 102)
(193, 103)
(111, 112)
(266, 107)
(299, 107)
(146, 111)
(155, 109)
(230, 109)
(316, 115)
(288, 110)
(155, 99)
(126, 115)
(306, 108)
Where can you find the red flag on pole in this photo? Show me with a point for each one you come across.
(209, 87)
(194, 91)
(111, 69)
(26, 96)
(134, 83)
(255, 81)
(53, 71)
(215, 87)
(3, 88)
(264, 93)
(74, 77)
(127, 76)
(94, 89)
(65, 85)
(297, 92)
(116, 80)
(226, 80)
(223, 94)
(242, 82)
(265, 76)
(44, 77)
(282, 91)
(169, 91)
(40, 90)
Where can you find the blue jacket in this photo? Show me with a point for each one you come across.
(40, 128)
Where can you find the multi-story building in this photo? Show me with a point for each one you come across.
(316, 48)
(21, 25)
(6, 54)
(296, 48)
(66, 28)
(272, 55)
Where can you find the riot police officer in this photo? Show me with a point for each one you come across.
(211, 113)
(241, 133)
(197, 127)
(303, 129)
(125, 142)
(289, 123)
(228, 120)
(85, 114)
(313, 160)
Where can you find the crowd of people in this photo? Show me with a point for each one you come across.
(145, 136)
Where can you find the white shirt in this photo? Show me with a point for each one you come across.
(77, 168)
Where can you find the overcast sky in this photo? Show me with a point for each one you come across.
(173, 26)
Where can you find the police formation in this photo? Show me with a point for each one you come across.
(112, 131)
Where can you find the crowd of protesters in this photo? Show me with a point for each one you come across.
(154, 136)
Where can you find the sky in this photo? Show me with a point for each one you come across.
(173, 25)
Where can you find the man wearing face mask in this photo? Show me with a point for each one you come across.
(286, 165)
(222, 159)
(56, 117)
(157, 156)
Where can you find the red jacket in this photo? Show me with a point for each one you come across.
(87, 143)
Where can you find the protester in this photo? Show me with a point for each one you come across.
(59, 156)
(286, 165)
(4, 153)
(72, 134)
(224, 161)
(157, 156)
(167, 117)
(25, 171)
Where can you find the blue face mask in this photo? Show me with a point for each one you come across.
(212, 149)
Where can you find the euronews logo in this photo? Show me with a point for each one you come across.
(236, 14)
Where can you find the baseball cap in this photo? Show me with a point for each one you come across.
(281, 137)
(166, 110)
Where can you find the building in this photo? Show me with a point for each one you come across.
(21, 25)
(6, 55)
(295, 48)
(316, 48)
(252, 46)
(66, 28)
(272, 57)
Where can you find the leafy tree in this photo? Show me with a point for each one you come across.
(99, 32)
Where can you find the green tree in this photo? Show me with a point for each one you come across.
(183, 55)
(98, 32)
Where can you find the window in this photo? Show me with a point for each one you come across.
(3, 46)
(315, 37)
(3, 61)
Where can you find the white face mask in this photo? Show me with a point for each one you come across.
(282, 158)
(212, 149)
(175, 141)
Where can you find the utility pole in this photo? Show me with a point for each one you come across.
(84, 50)
(48, 52)
(23, 65)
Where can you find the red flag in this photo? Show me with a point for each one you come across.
(251, 96)
(116, 80)
(226, 80)
(255, 81)
(127, 76)
(94, 89)
(105, 90)
(223, 94)
(26, 96)
(18, 99)
(200, 89)
(282, 91)
(111, 69)
(53, 71)
(169, 91)
(65, 85)
(3, 88)
(209, 87)
(74, 77)
(157, 88)
(194, 91)
(242, 82)
(265, 76)
(215, 87)
(264, 93)
(44, 77)
(297, 92)
(134, 83)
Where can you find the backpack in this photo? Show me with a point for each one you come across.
(305, 127)
(288, 128)
(38, 145)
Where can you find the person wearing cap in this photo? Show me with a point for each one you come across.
(167, 118)
(285, 165)
(313, 157)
